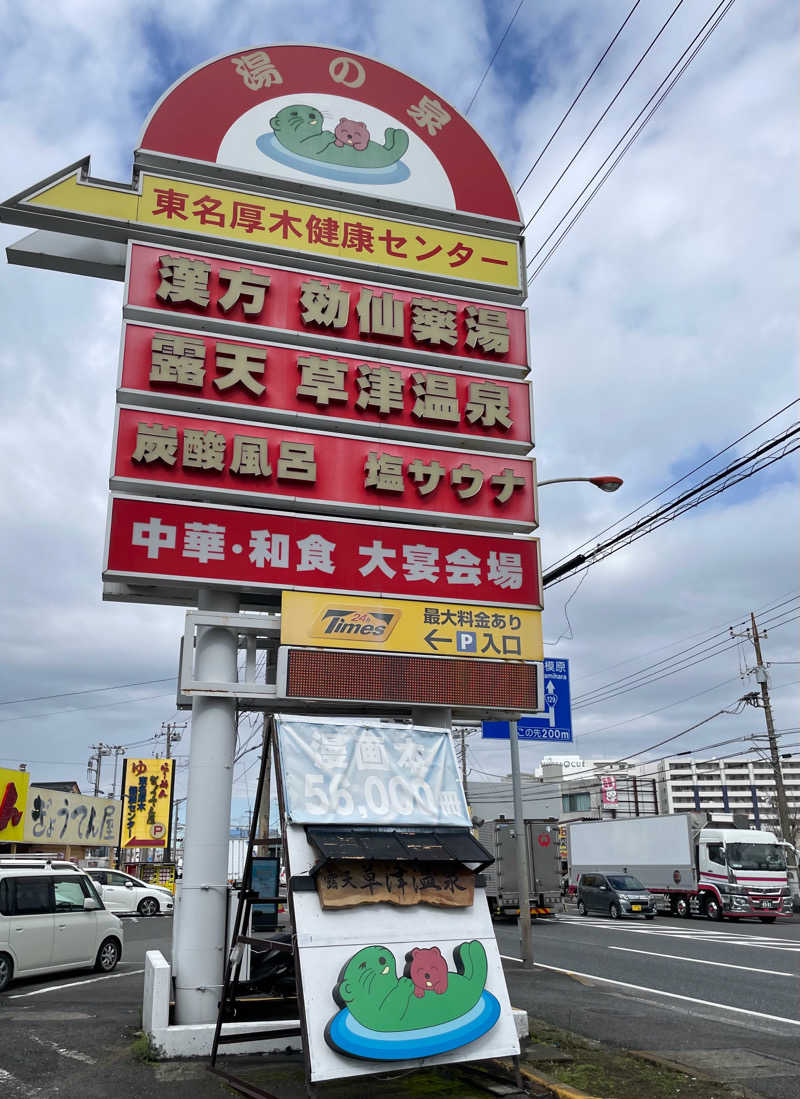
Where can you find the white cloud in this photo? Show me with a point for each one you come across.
(663, 328)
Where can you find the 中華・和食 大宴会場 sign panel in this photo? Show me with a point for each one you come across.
(181, 544)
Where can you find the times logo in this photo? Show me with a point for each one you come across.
(356, 622)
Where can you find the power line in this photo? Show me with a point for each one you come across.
(592, 697)
(567, 113)
(758, 459)
(765, 609)
(82, 709)
(611, 695)
(608, 107)
(88, 691)
(533, 793)
(494, 55)
(631, 141)
(679, 480)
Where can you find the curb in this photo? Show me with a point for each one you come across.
(555, 1087)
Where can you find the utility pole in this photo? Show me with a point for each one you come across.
(99, 750)
(118, 751)
(762, 679)
(173, 733)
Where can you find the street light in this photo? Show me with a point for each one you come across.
(605, 484)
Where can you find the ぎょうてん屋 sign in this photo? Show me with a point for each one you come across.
(192, 455)
(267, 380)
(281, 300)
(255, 550)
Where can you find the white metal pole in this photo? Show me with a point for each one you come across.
(199, 948)
(525, 932)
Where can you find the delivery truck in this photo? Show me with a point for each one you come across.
(544, 867)
(692, 866)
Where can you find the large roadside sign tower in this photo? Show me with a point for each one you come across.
(322, 396)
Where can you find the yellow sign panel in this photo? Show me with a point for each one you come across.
(405, 626)
(13, 799)
(147, 794)
(191, 208)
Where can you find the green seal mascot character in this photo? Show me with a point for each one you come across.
(370, 988)
(298, 128)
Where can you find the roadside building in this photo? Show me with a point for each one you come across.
(741, 785)
(600, 788)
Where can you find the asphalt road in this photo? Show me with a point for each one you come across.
(723, 998)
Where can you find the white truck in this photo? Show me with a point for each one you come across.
(694, 867)
(544, 867)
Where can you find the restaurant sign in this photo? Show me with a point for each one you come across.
(176, 542)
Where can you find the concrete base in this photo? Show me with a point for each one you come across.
(195, 1039)
(521, 1022)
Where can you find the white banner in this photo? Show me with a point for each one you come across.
(351, 772)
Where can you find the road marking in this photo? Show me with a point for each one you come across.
(73, 1054)
(510, 958)
(707, 934)
(75, 984)
(670, 995)
(9, 1081)
(704, 961)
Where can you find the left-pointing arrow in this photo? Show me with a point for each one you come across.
(433, 639)
(72, 193)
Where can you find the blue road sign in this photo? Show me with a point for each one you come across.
(554, 724)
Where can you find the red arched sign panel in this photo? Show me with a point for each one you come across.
(333, 118)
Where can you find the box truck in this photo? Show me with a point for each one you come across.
(694, 867)
(544, 867)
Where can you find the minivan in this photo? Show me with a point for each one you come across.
(616, 895)
(51, 919)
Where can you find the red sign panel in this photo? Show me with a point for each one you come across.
(243, 111)
(284, 301)
(154, 540)
(321, 471)
(247, 377)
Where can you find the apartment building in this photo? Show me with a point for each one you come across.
(724, 786)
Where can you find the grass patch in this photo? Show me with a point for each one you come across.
(618, 1074)
(142, 1048)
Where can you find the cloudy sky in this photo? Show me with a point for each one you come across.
(663, 329)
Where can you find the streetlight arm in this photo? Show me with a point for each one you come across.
(606, 484)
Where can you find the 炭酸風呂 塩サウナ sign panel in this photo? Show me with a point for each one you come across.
(229, 460)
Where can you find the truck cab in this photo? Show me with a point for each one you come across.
(742, 873)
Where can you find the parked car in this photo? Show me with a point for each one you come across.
(616, 895)
(123, 893)
(51, 919)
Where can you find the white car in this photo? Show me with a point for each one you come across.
(122, 892)
(51, 918)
